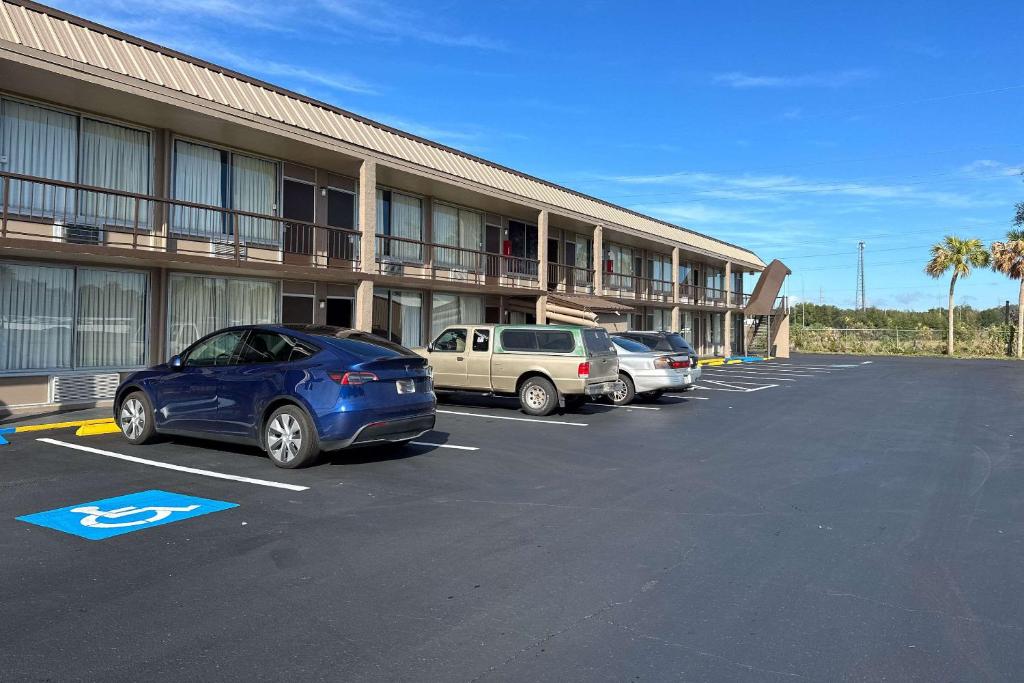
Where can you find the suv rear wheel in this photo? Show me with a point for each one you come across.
(290, 438)
(537, 396)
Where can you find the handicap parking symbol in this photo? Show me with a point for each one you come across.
(102, 519)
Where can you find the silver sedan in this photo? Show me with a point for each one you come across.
(646, 374)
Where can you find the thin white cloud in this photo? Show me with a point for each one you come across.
(835, 79)
(988, 168)
(387, 21)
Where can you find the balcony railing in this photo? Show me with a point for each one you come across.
(702, 296)
(570, 279)
(402, 256)
(73, 213)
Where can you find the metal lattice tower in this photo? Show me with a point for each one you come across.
(861, 299)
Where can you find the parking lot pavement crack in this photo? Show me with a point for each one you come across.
(703, 653)
(932, 612)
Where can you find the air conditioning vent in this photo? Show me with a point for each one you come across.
(84, 388)
(226, 250)
(459, 274)
(391, 266)
(77, 234)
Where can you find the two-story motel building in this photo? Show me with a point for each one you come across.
(149, 198)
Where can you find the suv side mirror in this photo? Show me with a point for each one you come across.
(175, 362)
(430, 347)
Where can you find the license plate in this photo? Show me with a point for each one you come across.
(406, 386)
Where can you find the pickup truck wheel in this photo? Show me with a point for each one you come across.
(537, 397)
(624, 392)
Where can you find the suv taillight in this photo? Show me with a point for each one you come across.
(353, 378)
(584, 370)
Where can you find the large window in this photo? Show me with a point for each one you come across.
(56, 145)
(66, 318)
(398, 316)
(455, 309)
(659, 269)
(463, 232)
(216, 177)
(198, 305)
(401, 216)
(620, 262)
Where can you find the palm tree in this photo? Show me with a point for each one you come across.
(960, 256)
(1008, 259)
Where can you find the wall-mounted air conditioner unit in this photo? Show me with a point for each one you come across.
(226, 249)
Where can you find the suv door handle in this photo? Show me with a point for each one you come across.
(460, 358)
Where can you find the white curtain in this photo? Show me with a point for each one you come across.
(39, 142)
(198, 178)
(36, 306)
(199, 305)
(110, 323)
(254, 189)
(117, 158)
(446, 232)
(407, 222)
(471, 236)
(454, 309)
(410, 305)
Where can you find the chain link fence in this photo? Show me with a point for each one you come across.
(986, 341)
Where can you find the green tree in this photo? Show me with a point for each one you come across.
(1008, 259)
(960, 256)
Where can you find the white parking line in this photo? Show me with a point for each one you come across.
(732, 387)
(687, 398)
(517, 419)
(778, 371)
(758, 374)
(444, 445)
(179, 468)
(631, 407)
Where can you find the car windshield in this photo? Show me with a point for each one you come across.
(629, 345)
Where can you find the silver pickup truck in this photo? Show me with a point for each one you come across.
(546, 366)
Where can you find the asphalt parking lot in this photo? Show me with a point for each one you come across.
(818, 518)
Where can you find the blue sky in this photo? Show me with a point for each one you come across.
(795, 129)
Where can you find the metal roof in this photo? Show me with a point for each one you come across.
(57, 33)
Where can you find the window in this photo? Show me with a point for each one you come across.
(399, 215)
(597, 341)
(266, 347)
(398, 316)
(342, 212)
(555, 341)
(206, 175)
(620, 265)
(198, 305)
(297, 310)
(481, 340)
(65, 318)
(518, 340)
(629, 345)
(661, 319)
(660, 267)
(455, 309)
(57, 145)
(451, 341)
(217, 350)
(460, 230)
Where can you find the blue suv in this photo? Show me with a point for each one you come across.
(291, 390)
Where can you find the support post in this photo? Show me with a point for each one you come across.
(367, 220)
(675, 280)
(598, 260)
(542, 252)
(364, 306)
(727, 322)
(542, 309)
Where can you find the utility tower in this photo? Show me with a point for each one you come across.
(861, 300)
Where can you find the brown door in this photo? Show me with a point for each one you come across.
(493, 249)
(553, 262)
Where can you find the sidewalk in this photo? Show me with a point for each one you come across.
(48, 414)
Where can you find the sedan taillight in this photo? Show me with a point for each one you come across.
(353, 378)
(681, 364)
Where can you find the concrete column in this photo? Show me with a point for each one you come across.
(367, 222)
(363, 313)
(676, 319)
(675, 282)
(598, 260)
(542, 309)
(727, 323)
(158, 352)
(542, 251)
(428, 231)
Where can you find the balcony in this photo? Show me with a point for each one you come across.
(637, 288)
(405, 257)
(40, 210)
(570, 279)
(702, 296)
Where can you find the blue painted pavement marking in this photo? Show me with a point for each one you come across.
(102, 519)
(5, 430)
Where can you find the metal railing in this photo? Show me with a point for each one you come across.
(570, 278)
(417, 258)
(72, 213)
